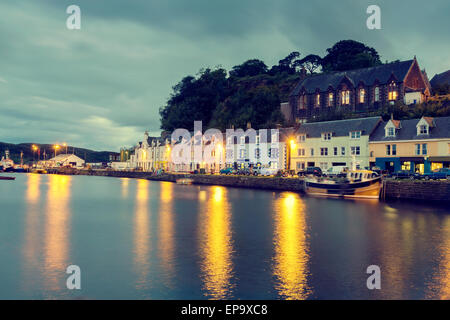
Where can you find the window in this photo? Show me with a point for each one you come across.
(323, 151)
(330, 99)
(324, 165)
(273, 152)
(362, 95)
(301, 138)
(257, 139)
(377, 94)
(302, 102)
(274, 137)
(327, 135)
(423, 129)
(229, 154)
(394, 149)
(318, 100)
(345, 95)
(355, 151)
(343, 151)
(257, 153)
(391, 132)
(312, 151)
(424, 149)
(335, 151)
(417, 149)
(242, 153)
(355, 134)
(388, 150)
(392, 92)
(301, 152)
(242, 140)
(300, 165)
(229, 140)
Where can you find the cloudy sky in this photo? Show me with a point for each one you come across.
(100, 87)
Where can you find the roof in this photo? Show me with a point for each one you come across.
(382, 73)
(441, 78)
(408, 130)
(339, 128)
(64, 157)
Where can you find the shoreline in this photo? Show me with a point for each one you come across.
(436, 192)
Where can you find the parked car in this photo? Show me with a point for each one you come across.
(244, 172)
(442, 173)
(228, 171)
(315, 171)
(336, 171)
(405, 174)
(268, 171)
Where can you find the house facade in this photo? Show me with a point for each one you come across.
(333, 143)
(417, 145)
(357, 91)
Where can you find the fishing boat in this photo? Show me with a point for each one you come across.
(185, 181)
(362, 184)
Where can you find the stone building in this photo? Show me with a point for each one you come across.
(357, 91)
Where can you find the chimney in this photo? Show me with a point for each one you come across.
(249, 125)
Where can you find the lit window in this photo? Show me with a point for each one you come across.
(345, 94)
(330, 99)
(392, 94)
(318, 100)
(362, 95)
(302, 102)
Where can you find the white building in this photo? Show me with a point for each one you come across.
(64, 160)
(333, 143)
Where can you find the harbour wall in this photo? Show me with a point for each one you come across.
(431, 191)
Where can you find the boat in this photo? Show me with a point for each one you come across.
(7, 178)
(359, 184)
(184, 181)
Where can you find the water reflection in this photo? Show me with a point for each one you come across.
(216, 245)
(57, 231)
(32, 218)
(166, 241)
(291, 257)
(142, 234)
(125, 184)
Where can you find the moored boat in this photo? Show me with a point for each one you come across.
(185, 181)
(362, 184)
(7, 178)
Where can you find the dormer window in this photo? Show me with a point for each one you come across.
(355, 134)
(423, 129)
(301, 138)
(327, 136)
(390, 132)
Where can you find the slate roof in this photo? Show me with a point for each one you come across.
(441, 78)
(368, 76)
(339, 128)
(408, 130)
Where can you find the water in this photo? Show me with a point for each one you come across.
(137, 239)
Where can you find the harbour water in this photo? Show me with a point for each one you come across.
(139, 239)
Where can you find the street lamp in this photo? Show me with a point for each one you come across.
(65, 145)
(56, 147)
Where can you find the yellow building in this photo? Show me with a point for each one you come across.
(417, 145)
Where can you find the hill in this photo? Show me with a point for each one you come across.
(28, 154)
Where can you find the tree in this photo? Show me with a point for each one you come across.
(349, 54)
(194, 99)
(311, 62)
(286, 65)
(249, 68)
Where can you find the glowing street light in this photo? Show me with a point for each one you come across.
(56, 147)
(65, 145)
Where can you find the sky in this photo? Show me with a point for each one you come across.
(101, 87)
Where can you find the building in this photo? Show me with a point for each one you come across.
(64, 160)
(357, 91)
(333, 143)
(419, 145)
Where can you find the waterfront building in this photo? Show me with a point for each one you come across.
(357, 91)
(63, 160)
(333, 143)
(418, 145)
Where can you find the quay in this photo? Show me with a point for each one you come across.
(414, 190)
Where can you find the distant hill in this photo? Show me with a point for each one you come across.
(28, 155)
(441, 79)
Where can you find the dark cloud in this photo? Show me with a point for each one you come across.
(102, 86)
